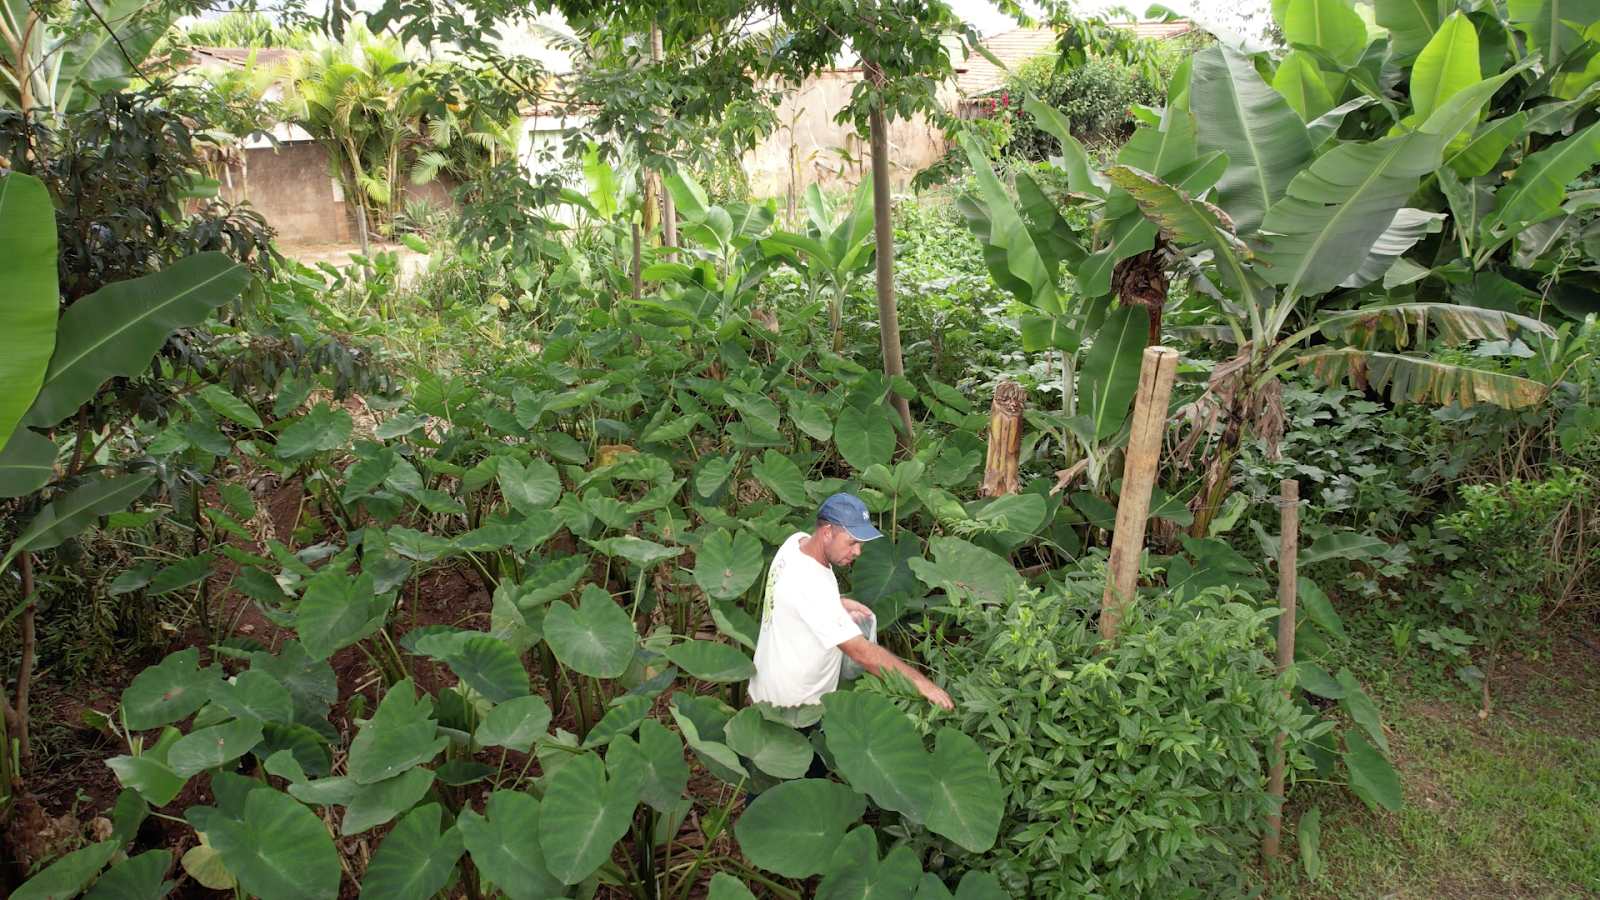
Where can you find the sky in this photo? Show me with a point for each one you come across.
(1224, 13)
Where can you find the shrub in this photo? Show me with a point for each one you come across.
(1095, 98)
(1135, 772)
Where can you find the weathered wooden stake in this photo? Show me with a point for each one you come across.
(1288, 575)
(1138, 478)
(1005, 441)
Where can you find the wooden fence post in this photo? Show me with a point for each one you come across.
(1005, 441)
(1138, 478)
(1288, 575)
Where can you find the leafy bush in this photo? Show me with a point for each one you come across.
(1130, 773)
(1095, 97)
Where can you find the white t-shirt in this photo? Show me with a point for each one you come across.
(802, 625)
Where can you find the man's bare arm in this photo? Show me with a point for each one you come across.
(875, 659)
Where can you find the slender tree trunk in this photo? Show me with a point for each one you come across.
(669, 215)
(1288, 576)
(883, 232)
(25, 665)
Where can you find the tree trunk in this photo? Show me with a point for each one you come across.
(25, 665)
(1219, 474)
(883, 232)
(1005, 441)
(1288, 576)
(669, 215)
(1142, 280)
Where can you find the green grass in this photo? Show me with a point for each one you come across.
(1507, 806)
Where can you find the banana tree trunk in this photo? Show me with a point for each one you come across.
(669, 215)
(1142, 280)
(883, 233)
(1219, 473)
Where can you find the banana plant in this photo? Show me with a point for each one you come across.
(718, 289)
(836, 256)
(58, 58)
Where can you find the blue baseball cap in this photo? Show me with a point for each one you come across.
(848, 512)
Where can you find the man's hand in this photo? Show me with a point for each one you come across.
(859, 612)
(935, 695)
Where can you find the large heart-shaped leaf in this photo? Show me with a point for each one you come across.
(1358, 706)
(864, 438)
(401, 734)
(504, 844)
(322, 429)
(529, 489)
(253, 694)
(884, 568)
(711, 661)
(337, 611)
(279, 849)
(727, 565)
(875, 745)
(968, 799)
(582, 816)
(772, 747)
(783, 477)
(67, 876)
(961, 564)
(148, 774)
(657, 758)
(415, 860)
(310, 681)
(30, 307)
(516, 724)
(208, 748)
(485, 664)
(378, 803)
(726, 887)
(142, 877)
(595, 639)
(855, 872)
(795, 828)
(168, 691)
(621, 720)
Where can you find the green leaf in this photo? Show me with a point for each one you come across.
(1319, 608)
(1308, 834)
(856, 874)
(727, 565)
(704, 734)
(1540, 183)
(864, 438)
(415, 861)
(727, 887)
(711, 661)
(378, 803)
(602, 183)
(657, 759)
(209, 748)
(69, 875)
(551, 581)
(1418, 380)
(26, 463)
(1010, 234)
(488, 666)
(877, 748)
(1448, 64)
(68, 516)
(142, 877)
(516, 724)
(168, 691)
(310, 682)
(529, 489)
(596, 638)
(795, 828)
(1371, 776)
(401, 734)
(504, 845)
(784, 478)
(968, 799)
(118, 329)
(1074, 160)
(1554, 27)
(254, 694)
(31, 303)
(772, 747)
(320, 430)
(688, 196)
(182, 574)
(583, 815)
(812, 419)
(1238, 114)
(622, 719)
(884, 568)
(226, 404)
(279, 850)
(1299, 80)
(1316, 680)
(964, 565)
(337, 611)
(1111, 368)
(1332, 25)
(1344, 545)
(1358, 706)
(1411, 24)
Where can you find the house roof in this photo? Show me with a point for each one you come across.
(238, 56)
(1018, 44)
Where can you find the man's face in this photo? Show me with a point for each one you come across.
(838, 546)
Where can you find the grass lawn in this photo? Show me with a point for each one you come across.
(1503, 806)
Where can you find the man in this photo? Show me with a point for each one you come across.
(807, 628)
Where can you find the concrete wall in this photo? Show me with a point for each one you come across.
(807, 132)
(292, 187)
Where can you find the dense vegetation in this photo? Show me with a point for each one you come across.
(443, 584)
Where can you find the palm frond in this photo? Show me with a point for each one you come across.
(1420, 380)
